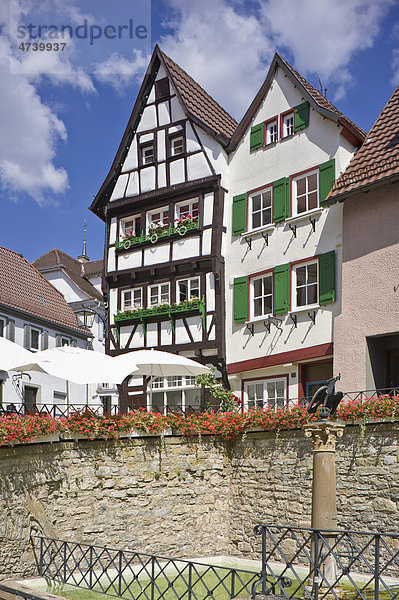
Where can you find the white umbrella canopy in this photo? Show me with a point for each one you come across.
(11, 353)
(156, 363)
(76, 365)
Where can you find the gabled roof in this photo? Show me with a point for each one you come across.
(378, 158)
(316, 99)
(22, 287)
(77, 271)
(198, 105)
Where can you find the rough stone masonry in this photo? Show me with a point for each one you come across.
(187, 498)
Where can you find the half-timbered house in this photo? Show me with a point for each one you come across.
(163, 206)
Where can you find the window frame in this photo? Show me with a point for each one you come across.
(189, 280)
(134, 218)
(267, 123)
(264, 381)
(190, 202)
(294, 194)
(162, 209)
(250, 196)
(164, 385)
(251, 297)
(132, 307)
(159, 294)
(142, 148)
(39, 332)
(293, 279)
(283, 116)
(172, 137)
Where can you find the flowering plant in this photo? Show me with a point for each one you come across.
(157, 228)
(185, 220)
(128, 235)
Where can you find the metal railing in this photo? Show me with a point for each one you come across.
(136, 576)
(328, 564)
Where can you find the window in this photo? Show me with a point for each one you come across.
(188, 289)
(174, 394)
(188, 208)
(130, 226)
(306, 284)
(132, 299)
(288, 124)
(162, 88)
(261, 296)
(176, 145)
(158, 218)
(61, 341)
(265, 393)
(159, 294)
(1, 328)
(271, 132)
(305, 191)
(34, 339)
(147, 154)
(261, 208)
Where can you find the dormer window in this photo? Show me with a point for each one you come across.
(162, 88)
(288, 124)
(147, 154)
(271, 132)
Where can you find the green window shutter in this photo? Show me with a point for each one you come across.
(241, 299)
(239, 214)
(281, 289)
(327, 277)
(281, 199)
(301, 116)
(256, 137)
(327, 178)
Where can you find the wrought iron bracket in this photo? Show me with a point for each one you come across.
(251, 328)
(267, 325)
(265, 236)
(276, 322)
(294, 319)
(312, 316)
(313, 223)
(249, 242)
(293, 229)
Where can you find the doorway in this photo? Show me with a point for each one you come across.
(30, 395)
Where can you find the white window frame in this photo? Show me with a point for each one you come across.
(264, 382)
(171, 384)
(39, 333)
(145, 160)
(271, 135)
(189, 281)
(190, 202)
(159, 294)
(295, 192)
(124, 220)
(252, 295)
(173, 141)
(295, 267)
(133, 292)
(251, 209)
(163, 210)
(288, 129)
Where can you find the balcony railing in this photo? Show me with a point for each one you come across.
(158, 234)
(165, 310)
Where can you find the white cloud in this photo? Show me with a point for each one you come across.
(221, 48)
(324, 36)
(120, 72)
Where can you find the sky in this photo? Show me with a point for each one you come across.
(63, 110)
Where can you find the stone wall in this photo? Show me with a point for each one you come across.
(181, 498)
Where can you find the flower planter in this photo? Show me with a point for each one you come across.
(155, 235)
(146, 313)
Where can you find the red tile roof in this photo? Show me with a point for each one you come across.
(23, 287)
(378, 157)
(198, 102)
(77, 271)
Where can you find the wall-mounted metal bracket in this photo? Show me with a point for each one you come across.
(251, 328)
(294, 319)
(276, 322)
(313, 223)
(249, 242)
(267, 325)
(312, 316)
(293, 229)
(265, 236)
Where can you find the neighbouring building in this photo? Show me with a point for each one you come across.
(366, 333)
(163, 206)
(219, 245)
(283, 262)
(34, 314)
(80, 282)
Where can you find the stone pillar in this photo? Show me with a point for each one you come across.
(324, 435)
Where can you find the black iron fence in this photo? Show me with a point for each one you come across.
(350, 565)
(137, 576)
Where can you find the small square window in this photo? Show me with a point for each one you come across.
(132, 299)
(147, 154)
(288, 124)
(188, 208)
(176, 145)
(158, 218)
(159, 294)
(271, 132)
(187, 289)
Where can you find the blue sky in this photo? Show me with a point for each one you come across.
(62, 116)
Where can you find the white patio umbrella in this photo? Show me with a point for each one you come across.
(11, 353)
(157, 363)
(76, 365)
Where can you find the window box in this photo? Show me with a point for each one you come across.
(170, 310)
(156, 234)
